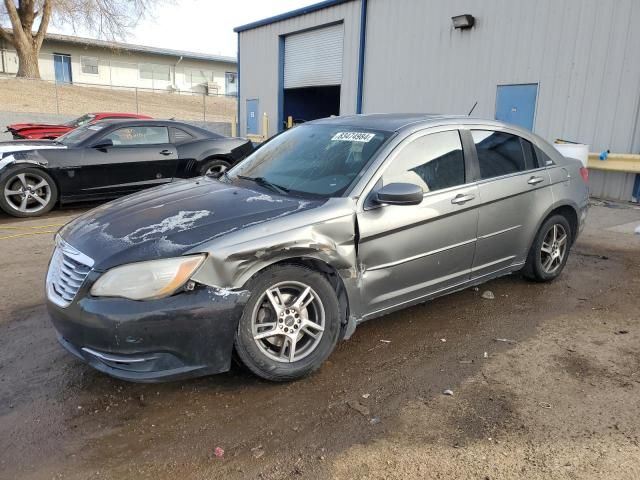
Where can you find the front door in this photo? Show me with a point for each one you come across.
(514, 195)
(140, 157)
(62, 67)
(516, 104)
(252, 117)
(410, 252)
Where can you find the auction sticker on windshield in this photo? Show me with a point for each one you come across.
(353, 137)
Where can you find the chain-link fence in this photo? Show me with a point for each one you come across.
(41, 96)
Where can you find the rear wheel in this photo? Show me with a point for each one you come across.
(290, 324)
(214, 168)
(27, 192)
(550, 250)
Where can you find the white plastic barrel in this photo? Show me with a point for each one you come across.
(578, 151)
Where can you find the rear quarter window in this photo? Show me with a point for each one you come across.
(543, 159)
(178, 135)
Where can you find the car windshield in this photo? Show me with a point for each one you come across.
(79, 135)
(81, 121)
(311, 160)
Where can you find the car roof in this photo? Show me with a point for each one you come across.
(141, 122)
(386, 121)
(138, 121)
(120, 114)
(394, 122)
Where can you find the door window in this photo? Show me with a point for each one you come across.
(433, 162)
(500, 153)
(139, 136)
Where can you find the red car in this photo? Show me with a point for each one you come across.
(44, 131)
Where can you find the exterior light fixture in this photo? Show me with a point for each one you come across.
(463, 21)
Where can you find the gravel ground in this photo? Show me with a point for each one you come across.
(545, 381)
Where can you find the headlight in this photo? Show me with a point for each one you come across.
(147, 280)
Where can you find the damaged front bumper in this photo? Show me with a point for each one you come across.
(186, 335)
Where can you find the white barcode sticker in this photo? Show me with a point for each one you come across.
(353, 137)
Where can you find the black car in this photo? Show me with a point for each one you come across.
(107, 160)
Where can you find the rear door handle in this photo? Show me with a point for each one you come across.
(461, 199)
(535, 180)
(165, 152)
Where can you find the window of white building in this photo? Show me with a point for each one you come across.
(89, 65)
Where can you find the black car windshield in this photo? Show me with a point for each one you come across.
(311, 160)
(81, 121)
(79, 135)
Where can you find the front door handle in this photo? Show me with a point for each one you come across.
(461, 199)
(535, 180)
(165, 152)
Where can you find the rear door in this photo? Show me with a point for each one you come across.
(141, 157)
(514, 194)
(408, 252)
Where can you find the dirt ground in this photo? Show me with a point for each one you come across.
(545, 381)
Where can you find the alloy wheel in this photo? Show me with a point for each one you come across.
(27, 192)
(553, 249)
(288, 321)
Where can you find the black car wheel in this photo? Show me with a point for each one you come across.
(214, 168)
(27, 192)
(290, 324)
(550, 250)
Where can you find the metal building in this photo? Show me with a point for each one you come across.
(564, 68)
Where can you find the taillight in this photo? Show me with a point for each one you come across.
(584, 173)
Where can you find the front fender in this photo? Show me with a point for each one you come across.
(331, 242)
(6, 163)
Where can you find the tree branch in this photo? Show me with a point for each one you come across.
(16, 23)
(44, 24)
(6, 36)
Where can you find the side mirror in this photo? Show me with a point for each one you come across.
(102, 144)
(400, 194)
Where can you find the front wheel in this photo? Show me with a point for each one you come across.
(290, 324)
(550, 250)
(27, 192)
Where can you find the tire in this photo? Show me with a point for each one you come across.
(547, 257)
(269, 357)
(37, 201)
(214, 168)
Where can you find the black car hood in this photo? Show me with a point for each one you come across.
(15, 146)
(168, 221)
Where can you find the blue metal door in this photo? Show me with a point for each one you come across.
(516, 104)
(62, 67)
(252, 117)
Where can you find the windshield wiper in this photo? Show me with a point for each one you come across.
(266, 183)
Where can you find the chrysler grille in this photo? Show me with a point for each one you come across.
(67, 271)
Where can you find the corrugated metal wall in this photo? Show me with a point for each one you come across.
(259, 57)
(584, 54)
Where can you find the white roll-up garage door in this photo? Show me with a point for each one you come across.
(314, 58)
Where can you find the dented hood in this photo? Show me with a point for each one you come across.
(168, 221)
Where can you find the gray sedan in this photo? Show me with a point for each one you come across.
(330, 224)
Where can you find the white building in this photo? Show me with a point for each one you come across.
(563, 68)
(68, 59)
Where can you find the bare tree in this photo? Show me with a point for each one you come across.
(30, 19)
